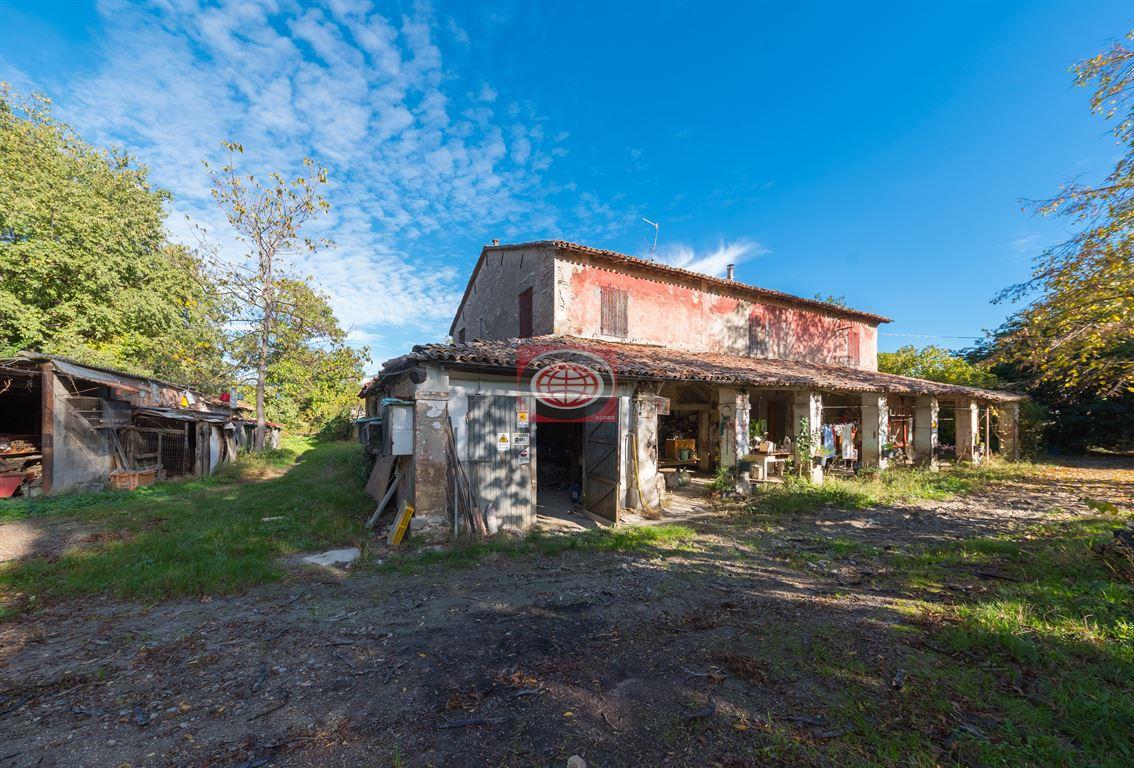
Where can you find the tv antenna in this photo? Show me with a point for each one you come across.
(656, 226)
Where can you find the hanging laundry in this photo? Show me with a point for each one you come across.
(846, 441)
(828, 442)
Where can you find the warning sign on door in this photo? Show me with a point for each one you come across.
(503, 441)
(525, 455)
(522, 419)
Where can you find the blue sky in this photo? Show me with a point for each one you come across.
(879, 152)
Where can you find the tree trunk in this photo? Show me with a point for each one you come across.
(261, 374)
(267, 296)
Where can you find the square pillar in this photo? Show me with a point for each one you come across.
(1008, 430)
(743, 414)
(807, 404)
(725, 439)
(430, 461)
(649, 488)
(875, 429)
(925, 431)
(968, 429)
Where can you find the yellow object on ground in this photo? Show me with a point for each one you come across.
(401, 524)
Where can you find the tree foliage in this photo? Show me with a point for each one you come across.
(312, 375)
(1077, 334)
(285, 337)
(85, 267)
(936, 364)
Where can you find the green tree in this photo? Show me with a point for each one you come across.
(268, 218)
(313, 376)
(936, 364)
(1076, 336)
(86, 269)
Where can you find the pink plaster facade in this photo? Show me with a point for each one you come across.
(681, 314)
(677, 311)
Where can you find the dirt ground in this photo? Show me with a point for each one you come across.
(642, 659)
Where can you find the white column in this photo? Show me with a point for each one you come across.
(968, 428)
(645, 426)
(925, 431)
(875, 429)
(726, 426)
(743, 414)
(807, 404)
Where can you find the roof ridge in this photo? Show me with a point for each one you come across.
(771, 293)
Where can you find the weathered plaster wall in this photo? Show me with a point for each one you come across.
(703, 318)
(491, 310)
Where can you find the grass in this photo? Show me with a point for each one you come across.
(204, 536)
(657, 539)
(895, 486)
(1033, 667)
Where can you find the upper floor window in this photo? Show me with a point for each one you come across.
(525, 313)
(461, 336)
(614, 311)
(853, 347)
(757, 334)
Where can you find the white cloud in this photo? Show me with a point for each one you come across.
(711, 262)
(415, 154)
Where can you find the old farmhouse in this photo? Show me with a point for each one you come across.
(579, 374)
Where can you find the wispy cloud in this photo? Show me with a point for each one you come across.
(415, 153)
(711, 261)
(1026, 244)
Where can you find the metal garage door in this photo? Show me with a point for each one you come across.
(502, 478)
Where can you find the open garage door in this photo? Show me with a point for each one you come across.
(601, 461)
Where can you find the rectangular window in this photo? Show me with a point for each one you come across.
(526, 313)
(461, 336)
(614, 312)
(757, 334)
(853, 346)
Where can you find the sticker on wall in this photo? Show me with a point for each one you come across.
(521, 439)
(522, 419)
(525, 455)
(503, 441)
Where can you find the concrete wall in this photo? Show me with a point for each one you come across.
(704, 318)
(491, 308)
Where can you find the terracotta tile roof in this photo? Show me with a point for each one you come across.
(657, 267)
(661, 363)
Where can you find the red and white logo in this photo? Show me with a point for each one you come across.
(568, 380)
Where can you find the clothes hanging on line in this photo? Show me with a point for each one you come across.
(828, 442)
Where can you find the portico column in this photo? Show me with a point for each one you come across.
(743, 416)
(648, 492)
(807, 404)
(925, 431)
(968, 427)
(875, 429)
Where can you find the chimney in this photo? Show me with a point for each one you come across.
(495, 241)
(728, 270)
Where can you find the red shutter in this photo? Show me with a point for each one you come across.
(853, 347)
(526, 313)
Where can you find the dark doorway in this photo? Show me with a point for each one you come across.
(559, 463)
